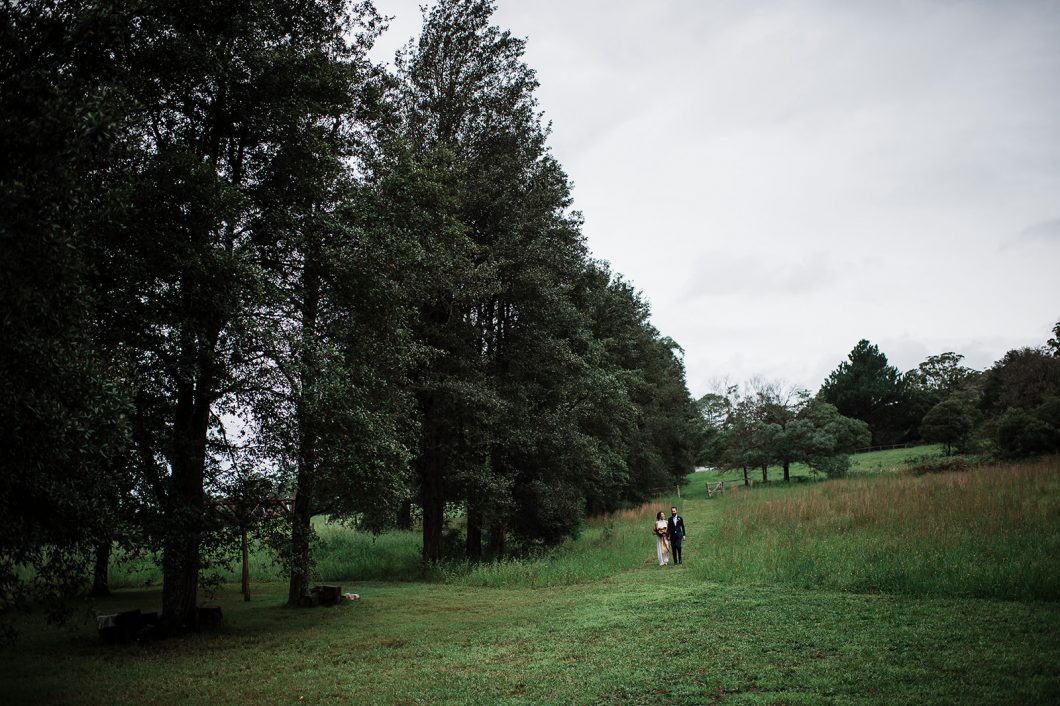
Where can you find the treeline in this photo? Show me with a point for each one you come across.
(1011, 409)
(241, 262)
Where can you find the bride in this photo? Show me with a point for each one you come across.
(662, 541)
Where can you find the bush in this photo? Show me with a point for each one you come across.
(832, 466)
(940, 465)
(1022, 434)
(950, 422)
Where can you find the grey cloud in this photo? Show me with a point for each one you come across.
(1046, 230)
(720, 274)
(1043, 232)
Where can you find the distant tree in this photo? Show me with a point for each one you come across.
(743, 441)
(770, 423)
(942, 373)
(714, 409)
(1049, 411)
(866, 387)
(1022, 379)
(830, 437)
(937, 378)
(1019, 401)
(783, 434)
(1054, 343)
(1020, 433)
(950, 422)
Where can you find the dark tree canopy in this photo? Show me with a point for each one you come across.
(241, 263)
(950, 422)
(866, 387)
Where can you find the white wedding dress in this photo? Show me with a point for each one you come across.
(662, 544)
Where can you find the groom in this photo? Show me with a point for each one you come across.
(676, 528)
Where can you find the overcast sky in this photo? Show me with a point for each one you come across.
(782, 179)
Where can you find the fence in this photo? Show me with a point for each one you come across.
(884, 447)
(664, 490)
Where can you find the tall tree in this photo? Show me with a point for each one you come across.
(333, 412)
(63, 418)
(783, 434)
(866, 387)
(220, 97)
(514, 399)
(467, 95)
(942, 373)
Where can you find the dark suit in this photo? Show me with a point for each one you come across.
(675, 526)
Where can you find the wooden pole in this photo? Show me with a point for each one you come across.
(246, 567)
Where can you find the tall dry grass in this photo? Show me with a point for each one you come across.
(993, 531)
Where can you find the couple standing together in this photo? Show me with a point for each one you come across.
(668, 536)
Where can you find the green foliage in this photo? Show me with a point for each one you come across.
(548, 392)
(1053, 343)
(941, 374)
(1020, 433)
(1022, 379)
(63, 418)
(950, 422)
(1019, 402)
(241, 262)
(774, 426)
(866, 387)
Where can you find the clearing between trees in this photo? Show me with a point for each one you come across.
(935, 588)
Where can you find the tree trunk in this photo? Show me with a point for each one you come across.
(433, 501)
(245, 578)
(746, 480)
(404, 518)
(765, 472)
(787, 479)
(99, 574)
(180, 561)
(498, 537)
(301, 519)
(473, 550)
(301, 533)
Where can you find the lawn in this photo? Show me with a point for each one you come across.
(646, 635)
(596, 621)
(867, 463)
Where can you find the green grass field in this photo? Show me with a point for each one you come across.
(889, 588)
(861, 464)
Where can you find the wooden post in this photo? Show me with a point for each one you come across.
(246, 567)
